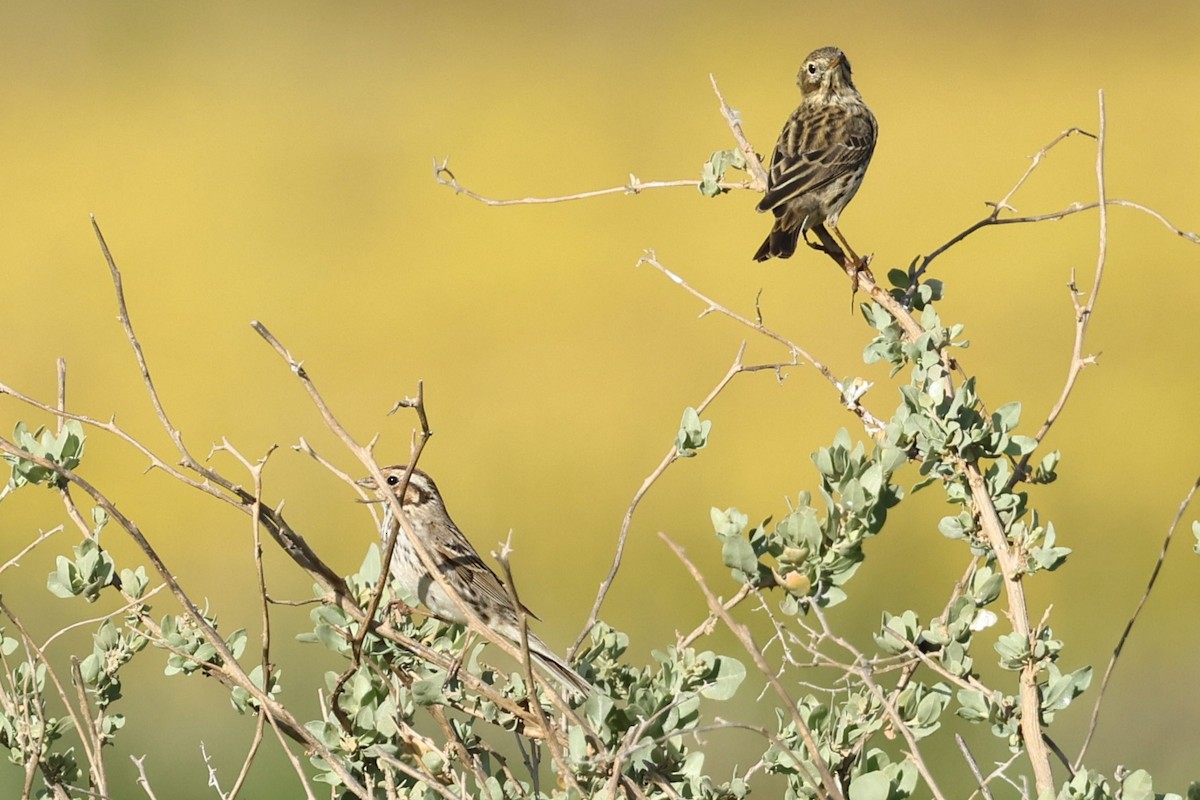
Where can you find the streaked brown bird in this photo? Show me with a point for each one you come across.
(820, 158)
(460, 564)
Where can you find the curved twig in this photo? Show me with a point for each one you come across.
(1137, 612)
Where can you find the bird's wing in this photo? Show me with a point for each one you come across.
(814, 149)
(458, 555)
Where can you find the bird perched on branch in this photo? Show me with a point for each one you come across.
(472, 580)
(819, 160)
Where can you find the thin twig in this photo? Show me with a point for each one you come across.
(742, 633)
(850, 396)
(126, 323)
(142, 780)
(974, 767)
(444, 177)
(256, 742)
(131, 602)
(670, 458)
(91, 731)
(365, 455)
(1137, 611)
(733, 120)
(994, 218)
(862, 668)
(41, 537)
(1083, 313)
(706, 628)
(1003, 204)
(256, 469)
(555, 747)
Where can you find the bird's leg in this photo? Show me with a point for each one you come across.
(825, 243)
(846, 248)
(851, 262)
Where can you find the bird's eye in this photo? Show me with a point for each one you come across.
(392, 480)
(812, 68)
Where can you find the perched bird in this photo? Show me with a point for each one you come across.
(820, 158)
(460, 564)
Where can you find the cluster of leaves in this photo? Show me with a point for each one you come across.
(28, 727)
(64, 449)
(810, 555)
(633, 723)
(813, 553)
(712, 174)
(638, 729)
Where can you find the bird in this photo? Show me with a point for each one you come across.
(820, 158)
(474, 582)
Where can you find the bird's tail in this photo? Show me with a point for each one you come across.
(558, 669)
(780, 243)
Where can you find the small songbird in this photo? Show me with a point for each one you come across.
(820, 158)
(460, 564)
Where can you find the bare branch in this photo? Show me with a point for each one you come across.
(974, 767)
(41, 537)
(142, 780)
(753, 164)
(444, 177)
(126, 323)
(1083, 313)
(742, 633)
(862, 669)
(1137, 611)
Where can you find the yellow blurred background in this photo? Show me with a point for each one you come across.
(274, 161)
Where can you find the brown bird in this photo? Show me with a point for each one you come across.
(820, 158)
(473, 581)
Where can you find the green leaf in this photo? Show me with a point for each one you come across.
(1013, 649)
(871, 786)
(428, 692)
(134, 582)
(237, 642)
(1137, 786)
(1062, 689)
(1006, 417)
(1019, 445)
(973, 705)
(986, 584)
(729, 522)
(64, 581)
(713, 171)
(693, 433)
(729, 676)
(737, 554)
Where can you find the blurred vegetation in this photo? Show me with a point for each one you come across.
(275, 162)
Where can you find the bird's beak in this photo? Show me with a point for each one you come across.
(367, 483)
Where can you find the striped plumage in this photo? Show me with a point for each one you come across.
(462, 567)
(821, 156)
